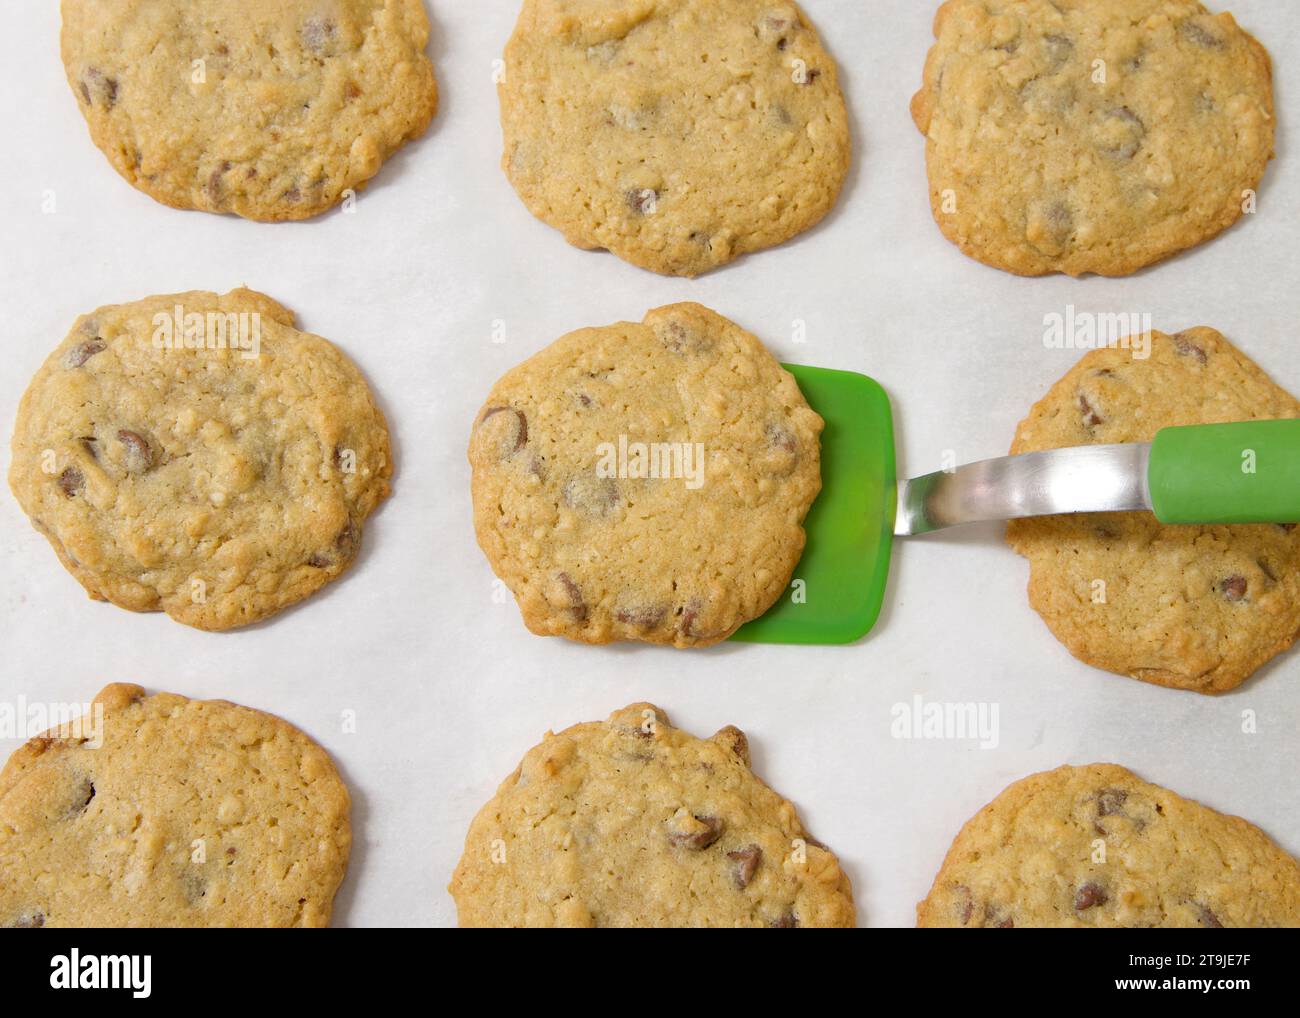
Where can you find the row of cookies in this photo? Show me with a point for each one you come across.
(199, 455)
(162, 811)
(1075, 137)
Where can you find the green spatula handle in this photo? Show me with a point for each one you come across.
(1227, 473)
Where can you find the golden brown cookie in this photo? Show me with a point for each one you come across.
(646, 482)
(162, 811)
(1192, 607)
(1095, 136)
(1097, 846)
(678, 134)
(270, 110)
(631, 822)
(196, 454)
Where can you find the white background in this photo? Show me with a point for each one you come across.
(448, 686)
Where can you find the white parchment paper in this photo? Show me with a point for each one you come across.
(447, 686)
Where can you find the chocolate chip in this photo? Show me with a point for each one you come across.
(1232, 588)
(787, 922)
(1130, 135)
(775, 29)
(1110, 802)
(682, 339)
(1091, 418)
(83, 351)
(345, 545)
(1267, 570)
(738, 743)
(216, 185)
(72, 482)
(808, 76)
(95, 82)
(780, 437)
(28, 921)
(517, 437)
(1060, 219)
(595, 496)
(1059, 48)
(746, 860)
(1207, 917)
(1200, 35)
(643, 201)
(1006, 924)
(565, 593)
(1090, 895)
(690, 613)
(698, 840)
(82, 796)
(195, 886)
(346, 542)
(1050, 224)
(1184, 347)
(646, 617)
(138, 455)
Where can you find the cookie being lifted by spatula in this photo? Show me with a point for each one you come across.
(646, 481)
(1192, 607)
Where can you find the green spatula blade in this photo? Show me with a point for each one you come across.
(838, 587)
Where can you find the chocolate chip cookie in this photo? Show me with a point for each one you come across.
(678, 134)
(1192, 607)
(1096, 136)
(646, 482)
(196, 454)
(632, 822)
(1097, 846)
(161, 811)
(270, 110)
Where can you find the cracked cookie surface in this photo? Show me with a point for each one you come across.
(679, 546)
(1096, 846)
(678, 134)
(269, 110)
(167, 812)
(631, 822)
(1091, 136)
(220, 484)
(1191, 607)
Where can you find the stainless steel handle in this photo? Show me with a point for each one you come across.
(1087, 479)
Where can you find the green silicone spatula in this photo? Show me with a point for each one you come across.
(1210, 473)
